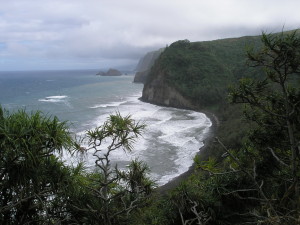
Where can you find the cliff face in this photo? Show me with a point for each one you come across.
(148, 60)
(159, 92)
(141, 77)
(144, 66)
(196, 75)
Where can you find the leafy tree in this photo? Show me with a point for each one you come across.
(31, 176)
(37, 188)
(273, 103)
(258, 180)
(113, 194)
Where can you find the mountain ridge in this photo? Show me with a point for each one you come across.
(199, 71)
(144, 65)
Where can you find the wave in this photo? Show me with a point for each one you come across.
(112, 104)
(170, 141)
(55, 98)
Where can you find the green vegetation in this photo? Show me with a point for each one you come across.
(249, 175)
(252, 174)
(31, 177)
(113, 200)
(273, 104)
(36, 187)
(201, 71)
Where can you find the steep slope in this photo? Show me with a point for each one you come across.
(145, 64)
(196, 75)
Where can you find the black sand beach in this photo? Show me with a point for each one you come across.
(203, 154)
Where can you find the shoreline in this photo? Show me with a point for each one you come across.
(203, 153)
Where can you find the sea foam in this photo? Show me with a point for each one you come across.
(170, 141)
(113, 104)
(55, 98)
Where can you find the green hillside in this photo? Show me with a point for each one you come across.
(249, 173)
(210, 65)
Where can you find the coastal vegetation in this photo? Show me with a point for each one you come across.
(36, 187)
(248, 174)
(202, 71)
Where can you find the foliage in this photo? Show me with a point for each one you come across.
(259, 180)
(254, 178)
(31, 176)
(110, 195)
(248, 179)
(37, 188)
(274, 105)
(201, 71)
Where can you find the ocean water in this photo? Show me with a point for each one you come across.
(170, 141)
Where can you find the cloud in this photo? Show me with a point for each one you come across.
(109, 31)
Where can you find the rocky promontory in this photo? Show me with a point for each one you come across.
(140, 77)
(110, 72)
(196, 75)
(159, 92)
(144, 66)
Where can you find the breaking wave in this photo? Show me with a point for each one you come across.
(170, 141)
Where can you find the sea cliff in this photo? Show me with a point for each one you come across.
(160, 92)
(144, 66)
(196, 75)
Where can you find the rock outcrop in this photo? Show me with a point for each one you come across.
(110, 72)
(159, 92)
(144, 66)
(140, 77)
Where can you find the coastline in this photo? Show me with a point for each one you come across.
(203, 153)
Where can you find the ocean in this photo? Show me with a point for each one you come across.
(170, 141)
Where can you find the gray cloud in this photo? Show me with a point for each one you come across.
(96, 33)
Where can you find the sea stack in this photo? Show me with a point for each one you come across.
(110, 72)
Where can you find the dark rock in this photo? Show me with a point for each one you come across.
(140, 77)
(110, 72)
(159, 92)
(101, 73)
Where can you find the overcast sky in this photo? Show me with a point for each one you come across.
(92, 34)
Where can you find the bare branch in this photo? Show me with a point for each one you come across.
(276, 157)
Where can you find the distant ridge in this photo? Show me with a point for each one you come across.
(197, 74)
(145, 64)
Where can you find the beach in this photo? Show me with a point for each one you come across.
(170, 140)
(203, 154)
